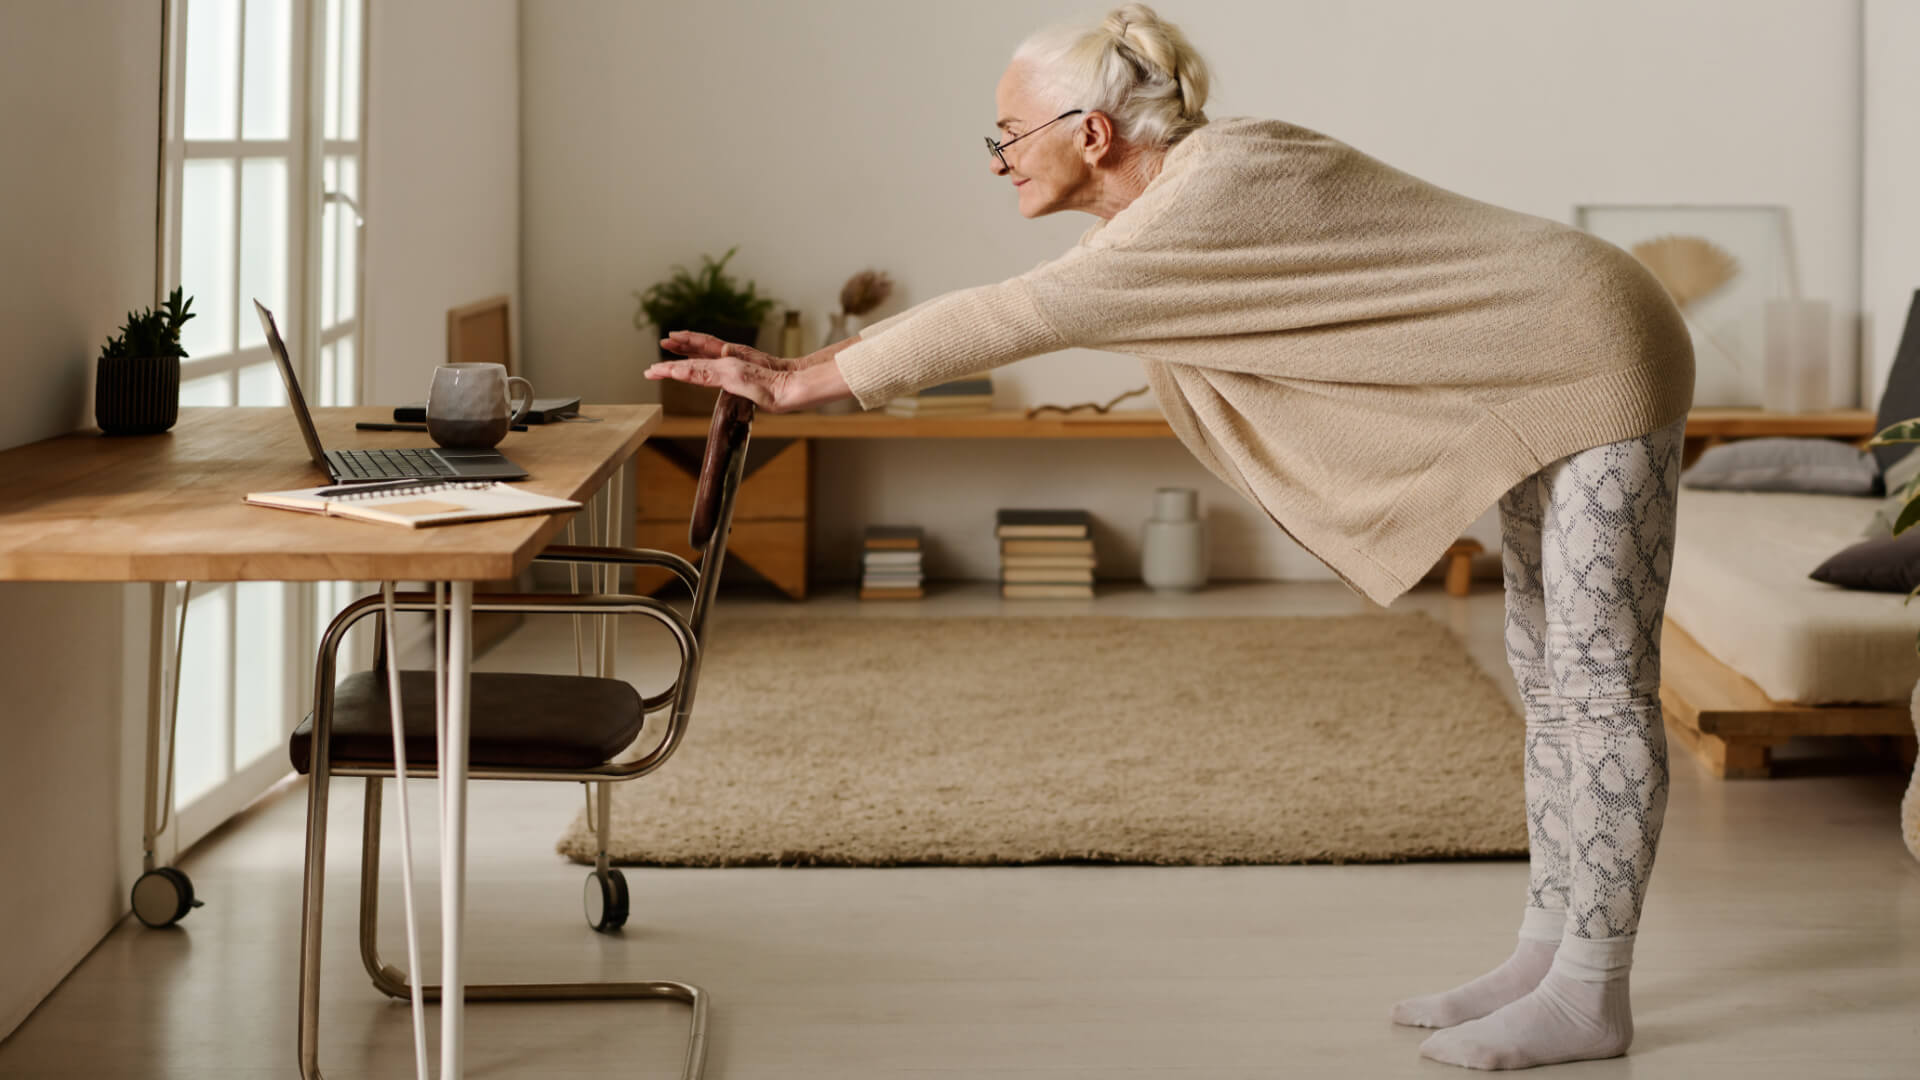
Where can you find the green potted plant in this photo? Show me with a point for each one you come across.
(710, 302)
(137, 379)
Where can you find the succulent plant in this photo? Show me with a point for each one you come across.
(150, 332)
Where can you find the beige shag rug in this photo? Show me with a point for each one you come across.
(890, 741)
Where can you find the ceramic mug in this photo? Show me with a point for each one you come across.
(467, 405)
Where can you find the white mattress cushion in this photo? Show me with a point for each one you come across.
(1740, 588)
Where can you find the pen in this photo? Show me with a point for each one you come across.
(349, 489)
(368, 425)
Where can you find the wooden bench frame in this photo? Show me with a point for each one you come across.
(1732, 726)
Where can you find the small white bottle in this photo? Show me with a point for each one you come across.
(1173, 543)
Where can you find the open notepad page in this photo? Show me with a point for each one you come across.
(429, 502)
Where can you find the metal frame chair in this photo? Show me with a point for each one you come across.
(712, 516)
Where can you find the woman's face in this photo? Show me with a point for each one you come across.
(1049, 168)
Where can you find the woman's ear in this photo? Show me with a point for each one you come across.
(1095, 136)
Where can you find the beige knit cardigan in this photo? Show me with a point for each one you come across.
(1369, 358)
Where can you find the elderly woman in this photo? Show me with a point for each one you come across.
(1374, 361)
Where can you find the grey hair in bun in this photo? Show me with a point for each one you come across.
(1135, 66)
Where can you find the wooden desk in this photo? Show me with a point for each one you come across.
(775, 509)
(167, 507)
(163, 508)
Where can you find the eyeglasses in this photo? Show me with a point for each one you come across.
(997, 147)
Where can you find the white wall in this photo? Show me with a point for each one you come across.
(1890, 218)
(82, 83)
(443, 188)
(827, 136)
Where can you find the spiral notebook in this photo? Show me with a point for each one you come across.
(429, 502)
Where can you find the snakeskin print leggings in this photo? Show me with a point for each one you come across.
(1587, 543)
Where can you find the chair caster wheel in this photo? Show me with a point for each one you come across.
(606, 901)
(163, 897)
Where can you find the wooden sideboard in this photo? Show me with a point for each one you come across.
(771, 519)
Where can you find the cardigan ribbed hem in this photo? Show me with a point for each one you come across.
(1493, 456)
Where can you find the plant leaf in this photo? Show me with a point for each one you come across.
(1906, 431)
(1906, 490)
(1909, 514)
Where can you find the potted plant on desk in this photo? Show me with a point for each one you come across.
(137, 379)
(709, 302)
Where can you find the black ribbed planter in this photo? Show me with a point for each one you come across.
(136, 395)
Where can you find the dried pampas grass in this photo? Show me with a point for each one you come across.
(1691, 267)
(864, 292)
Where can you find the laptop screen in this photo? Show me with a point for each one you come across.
(299, 403)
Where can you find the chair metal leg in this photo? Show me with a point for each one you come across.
(603, 828)
(313, 891)
(392, 981)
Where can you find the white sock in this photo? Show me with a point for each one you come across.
(1579, 1011)
(1539, 937)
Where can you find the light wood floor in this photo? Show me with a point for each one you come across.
(1781, 938)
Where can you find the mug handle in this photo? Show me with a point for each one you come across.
(525, 406)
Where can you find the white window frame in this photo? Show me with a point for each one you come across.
(315, 28)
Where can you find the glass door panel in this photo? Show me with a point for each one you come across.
(248, 132)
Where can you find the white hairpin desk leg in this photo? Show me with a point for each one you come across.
(453, 837)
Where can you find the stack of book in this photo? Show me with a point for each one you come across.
(1045, 554)
(890, 565)
(958, 398)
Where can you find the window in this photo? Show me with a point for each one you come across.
(261, 198)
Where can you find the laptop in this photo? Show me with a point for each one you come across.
(361, 466)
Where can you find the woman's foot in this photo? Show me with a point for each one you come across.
(1505, 984)
(1563, 1019)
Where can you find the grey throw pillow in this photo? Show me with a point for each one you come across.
(1814, 466)
(1891, 565)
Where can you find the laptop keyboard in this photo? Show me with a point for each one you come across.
(390, 464)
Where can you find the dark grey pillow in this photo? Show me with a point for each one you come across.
(1887, 565)
(1815, 466)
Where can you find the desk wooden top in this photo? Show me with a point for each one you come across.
(85, 507)
(1148, 424)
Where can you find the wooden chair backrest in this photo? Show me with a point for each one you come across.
(479, 333)
(729, 430)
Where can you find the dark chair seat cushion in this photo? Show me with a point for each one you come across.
(516, 720)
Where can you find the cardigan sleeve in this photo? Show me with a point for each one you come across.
(949, 337)
(880, 326)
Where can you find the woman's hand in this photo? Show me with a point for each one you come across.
(772, 383)
(698, 346)
(763, 386)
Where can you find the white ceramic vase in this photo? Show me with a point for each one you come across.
(1173, 543)
(838, 329)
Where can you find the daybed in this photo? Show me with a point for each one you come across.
(1754, 652)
